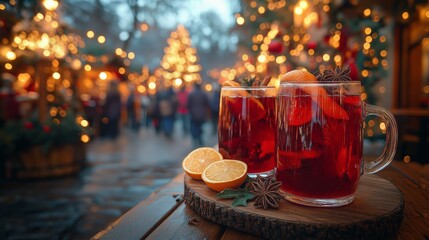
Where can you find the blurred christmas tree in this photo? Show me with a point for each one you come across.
(39, 52)
(180, 61)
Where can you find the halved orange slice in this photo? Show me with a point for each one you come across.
(224, 174)
(197, 160)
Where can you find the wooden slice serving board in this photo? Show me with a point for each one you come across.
(376, 213)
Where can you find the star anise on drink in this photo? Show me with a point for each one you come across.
(248, 81)
(266, 191)
(336, 75)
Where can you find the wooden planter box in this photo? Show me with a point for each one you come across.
(59, 161)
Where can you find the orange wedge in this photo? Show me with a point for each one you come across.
(230, 83)
(225, 174)
(319, 95)
(197, 160)
(241, 92)
(298, 76)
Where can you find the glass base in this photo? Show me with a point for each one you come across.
(319, 202)
(262, 174)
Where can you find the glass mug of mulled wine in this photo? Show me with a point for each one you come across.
(246, 129)
(320, 141)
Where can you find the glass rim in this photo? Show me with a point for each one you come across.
(353, 82)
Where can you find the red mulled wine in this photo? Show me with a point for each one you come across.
(320, 143)
(247, 128)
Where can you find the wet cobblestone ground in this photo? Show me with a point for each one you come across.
(120, 173)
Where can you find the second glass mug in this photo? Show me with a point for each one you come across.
(246, 129)
(320, 141)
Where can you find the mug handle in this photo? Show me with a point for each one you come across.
(391, 139)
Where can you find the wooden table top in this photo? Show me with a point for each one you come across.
(164, 215)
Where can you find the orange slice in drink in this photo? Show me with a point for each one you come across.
(241, 92)
(299, 110)
(250, 108)
(224, 174)
(230, 83)
(319, 95)
(298, 76)
(253, 105)
(197, 160)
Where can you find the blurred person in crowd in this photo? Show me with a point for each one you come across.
(182, 109)
(214, 107)
(157, 116)
(199, 106)
(145, 104)
(131, 110)
(90, 108)
(112, 110)
(167, 101)
(9, 106)
(153, 112)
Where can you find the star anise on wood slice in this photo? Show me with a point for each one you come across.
(336, 75)
(266, 191)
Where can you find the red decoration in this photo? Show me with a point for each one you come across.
(46, 129)
(312, 45)
(326, 39)
(354, 72)
(275, 46)
(28, 125)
